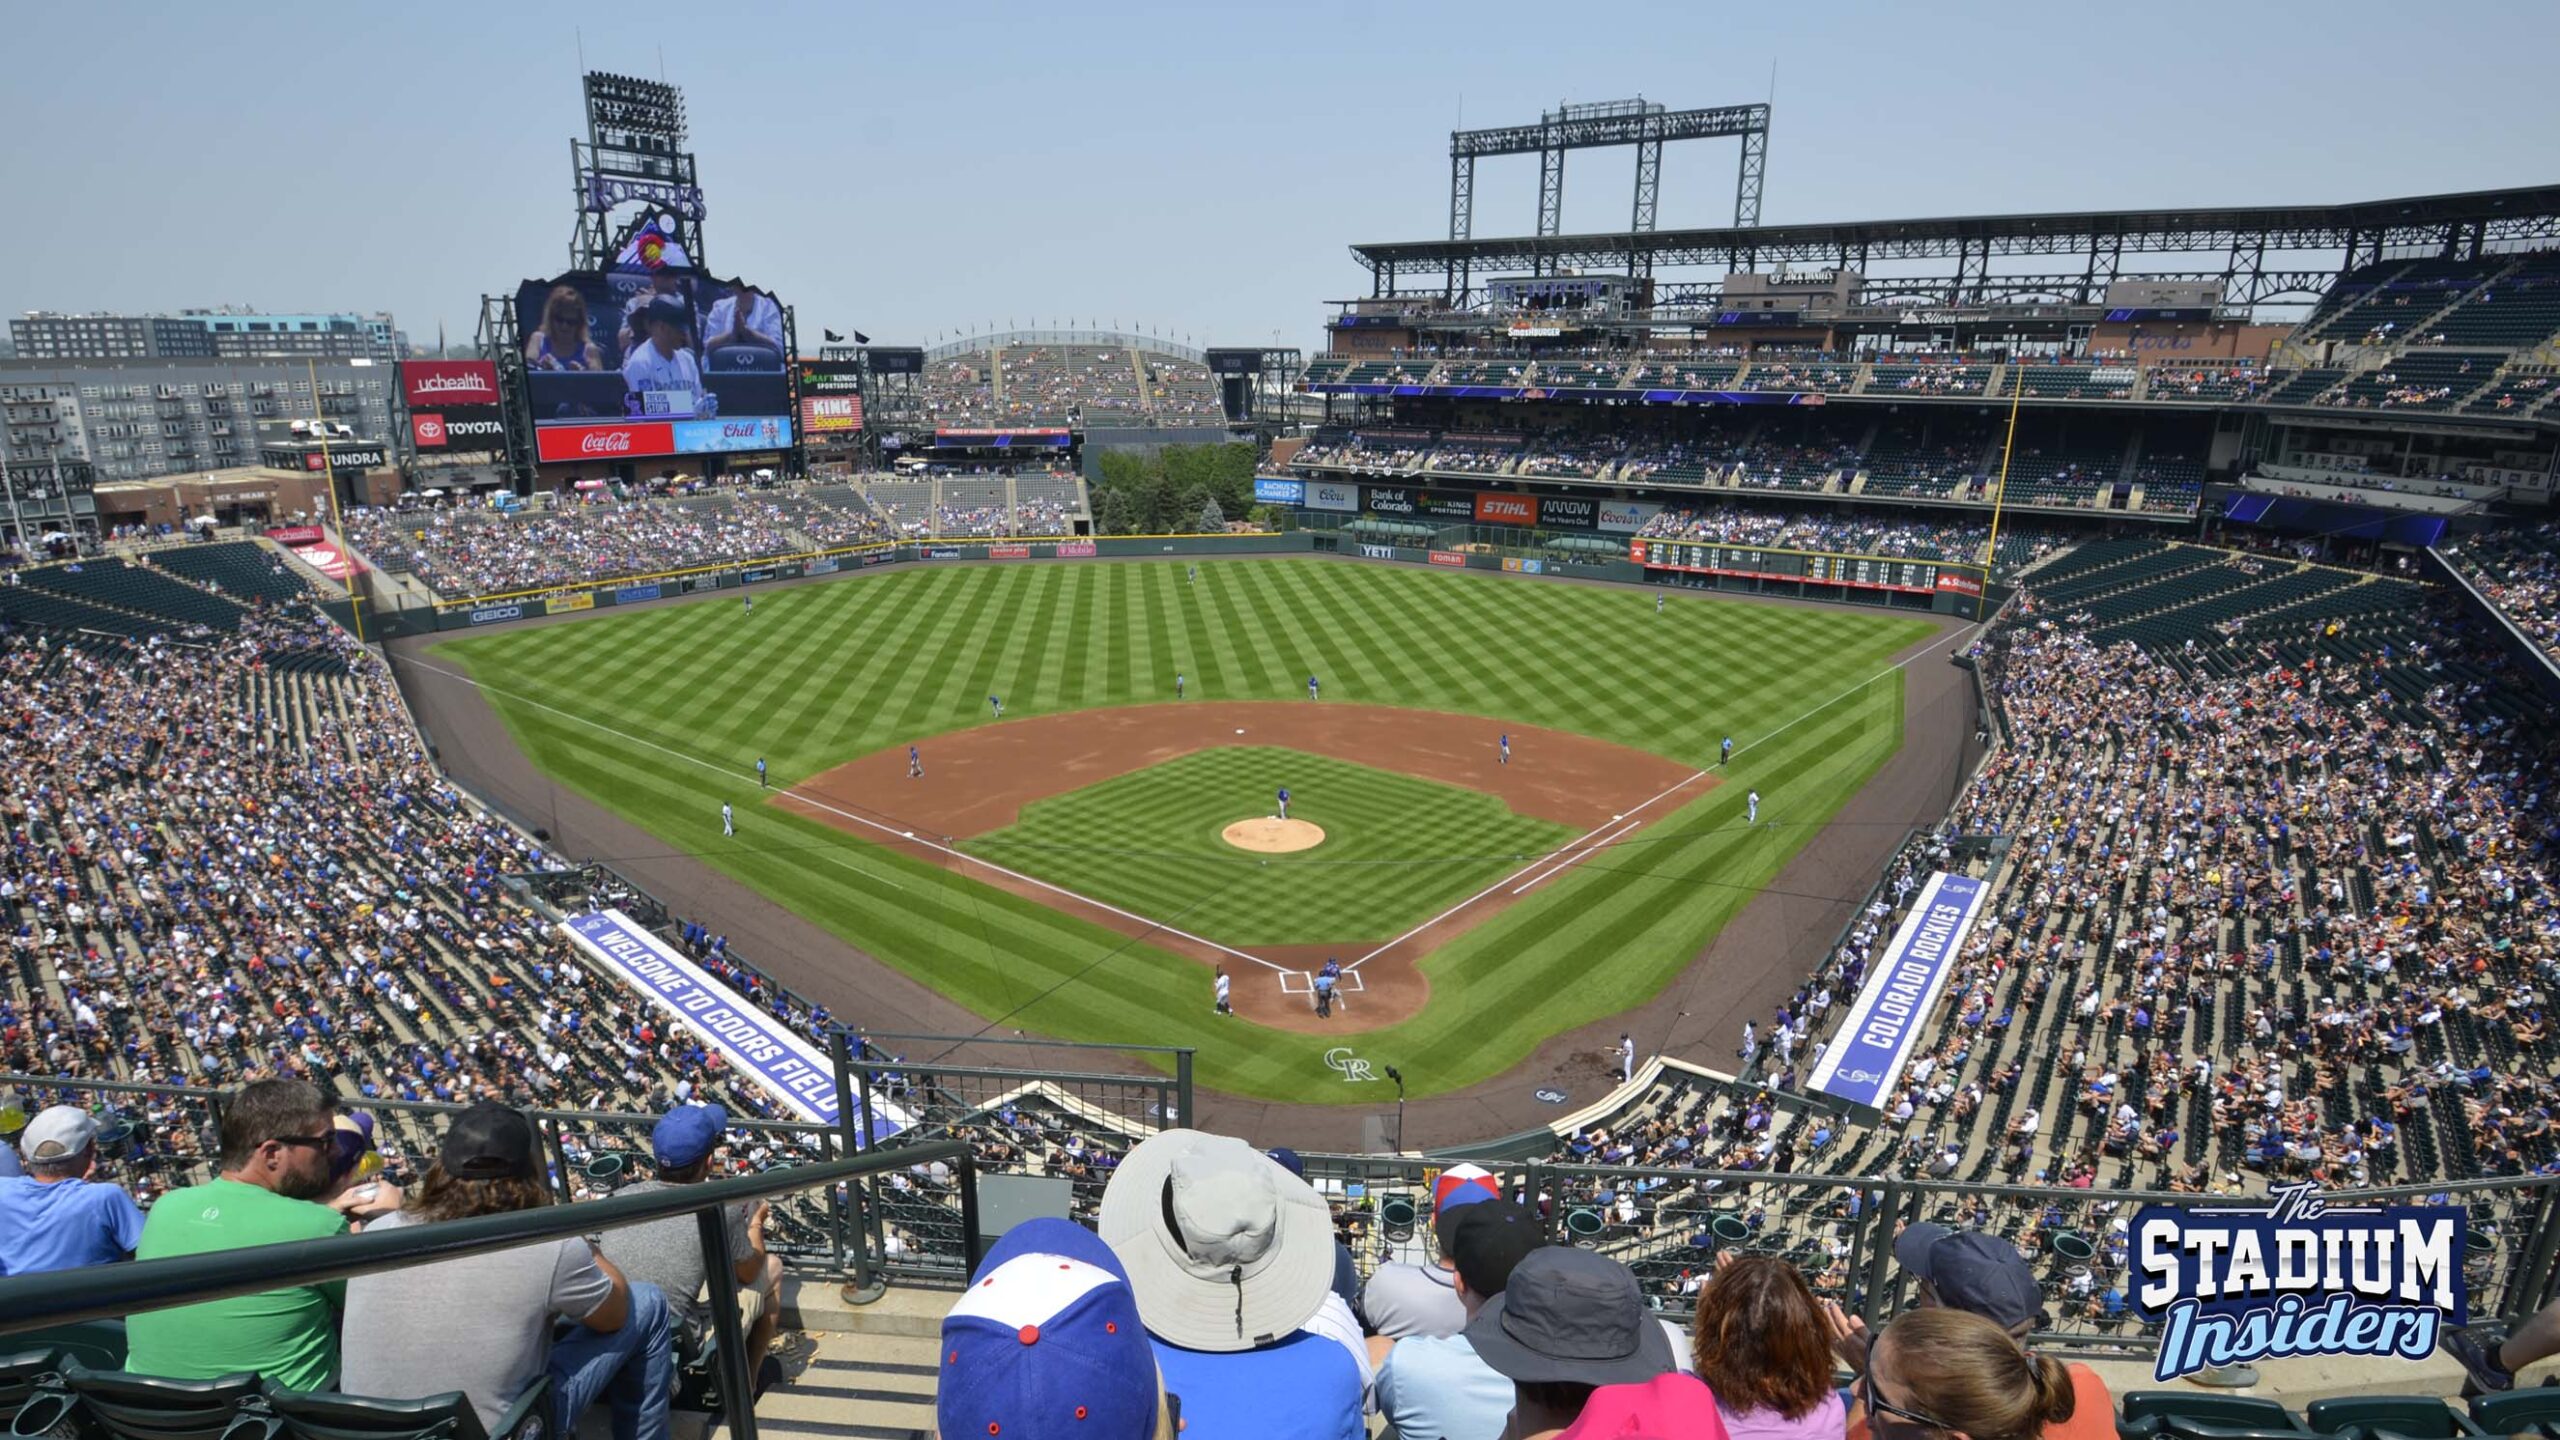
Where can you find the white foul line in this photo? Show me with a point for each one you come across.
(905, 835)
(1565, 858)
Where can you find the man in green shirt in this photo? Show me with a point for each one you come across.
(277, 1137)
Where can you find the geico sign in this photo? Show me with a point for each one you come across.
(496, 613)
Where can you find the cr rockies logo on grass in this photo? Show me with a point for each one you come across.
(2233, 1284)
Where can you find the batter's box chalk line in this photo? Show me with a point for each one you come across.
(1303, 982)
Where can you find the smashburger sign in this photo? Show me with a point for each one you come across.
(612, 441)
(445, 384)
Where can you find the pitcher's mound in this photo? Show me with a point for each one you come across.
(1271, 835)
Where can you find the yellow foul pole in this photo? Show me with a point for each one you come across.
(337, 522)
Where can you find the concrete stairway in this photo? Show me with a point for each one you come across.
(869, 1387)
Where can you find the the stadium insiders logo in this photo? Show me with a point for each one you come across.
(2230, 1285)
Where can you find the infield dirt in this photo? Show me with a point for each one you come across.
(977, 780)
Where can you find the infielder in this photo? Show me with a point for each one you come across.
(1311, 687)
(1753, 818)
(915, 764)
(1506, 748)
(998, 702)
(1727, 757)
(1225, 1003)
(1284, 802)
(760, 782)
(728, 821)
(1177, 684)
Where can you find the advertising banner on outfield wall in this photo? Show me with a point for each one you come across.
(1332, 495)
(1445, 505)
(823, 565)
(1377, 552)
(1008, 552)
(1959, 583)
(1894, 1008)
(560, 604)
(1506, 510)
(635, 594)
(1393, 500)
(1271, 490)
(1626, 517)
(1448, 557)
(1561, 513)
(1076, 550)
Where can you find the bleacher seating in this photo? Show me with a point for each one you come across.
(2071, 382)
(2301, 387)
(241, 569)
(2519, 570)
(2417, 380)
(1932, 378)
(2517, 310)
(138, 589)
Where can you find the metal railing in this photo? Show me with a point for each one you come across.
(63, 1297)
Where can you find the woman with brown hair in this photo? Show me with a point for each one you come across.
(1762, 1348)
(1938, 1372)
(562, 341)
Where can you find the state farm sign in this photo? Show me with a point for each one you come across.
(444, 384)
(619, 440)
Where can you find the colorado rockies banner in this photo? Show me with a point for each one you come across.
(1894, 1006)
(780, 1060)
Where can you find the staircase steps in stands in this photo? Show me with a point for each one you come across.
(855, 1387)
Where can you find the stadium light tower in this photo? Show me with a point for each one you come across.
(1641, 123)
(633, 155)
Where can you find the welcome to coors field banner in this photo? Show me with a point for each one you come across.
(1893, 1008)
(782, 1061)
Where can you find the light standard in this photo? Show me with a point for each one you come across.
(1398, 1076)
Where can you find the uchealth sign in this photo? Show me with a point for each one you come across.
(1506, 510)
(477, 427)
(448, 384)
(617, 440)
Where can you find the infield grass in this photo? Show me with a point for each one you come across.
(659, 714)
(1396, 850)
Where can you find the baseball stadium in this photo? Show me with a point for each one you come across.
(1881, 759)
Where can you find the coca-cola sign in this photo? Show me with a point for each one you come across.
(444, 384)
(619, 440)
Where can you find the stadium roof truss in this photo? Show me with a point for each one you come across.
(2265, 252)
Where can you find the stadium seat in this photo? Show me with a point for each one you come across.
(2155, 1412)
(2415, 1417)
(96, 1344)
(326, 1415)
(2519, 1412)
(25, 1373)
(148, 1407)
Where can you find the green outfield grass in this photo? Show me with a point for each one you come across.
(1396, 850)
(660, 714)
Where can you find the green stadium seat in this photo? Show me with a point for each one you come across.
(95, 1344)
(2519, 1412)
(2414, 1417)
(149, 1407)
(2154, 1412)
(27, 1372)
(324, 1415)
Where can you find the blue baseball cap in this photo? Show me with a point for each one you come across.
(1287, 1159)
(1047, 1342)
(687, 1134)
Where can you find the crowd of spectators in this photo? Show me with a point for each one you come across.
(491, 552)
(1050, 384)
(2519, 569)
(1845, 532)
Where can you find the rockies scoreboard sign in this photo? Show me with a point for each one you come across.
(1868, 572)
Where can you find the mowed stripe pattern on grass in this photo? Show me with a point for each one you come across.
(1396, 851)
(820, 673)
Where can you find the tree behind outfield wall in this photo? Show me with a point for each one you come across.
(1171, 490)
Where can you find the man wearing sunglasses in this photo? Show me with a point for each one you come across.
(278, 1138)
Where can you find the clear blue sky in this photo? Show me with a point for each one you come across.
(1195, 167)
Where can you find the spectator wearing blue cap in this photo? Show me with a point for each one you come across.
(1048, 1342)
(668, 1253)
(1346, 1271)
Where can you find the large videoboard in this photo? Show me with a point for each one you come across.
(665, 361)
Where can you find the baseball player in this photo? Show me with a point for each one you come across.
(1177, 684)
(1727, 757)
(1284, 802)
(1657, 603)
(1195, 576)
(998, 702)
(915, 764)
(751, 604)
(728, 821)
(1324, 993)
(760, 782)
(1626, 1057)
(1750, 1039)
(1311, 687)
(1506, 748)
(1226, 1005)
(1753, 818)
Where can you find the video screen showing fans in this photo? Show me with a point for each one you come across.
(668, 346)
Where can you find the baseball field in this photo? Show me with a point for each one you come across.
(1077, 866)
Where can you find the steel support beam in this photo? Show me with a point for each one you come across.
(1755, 168)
